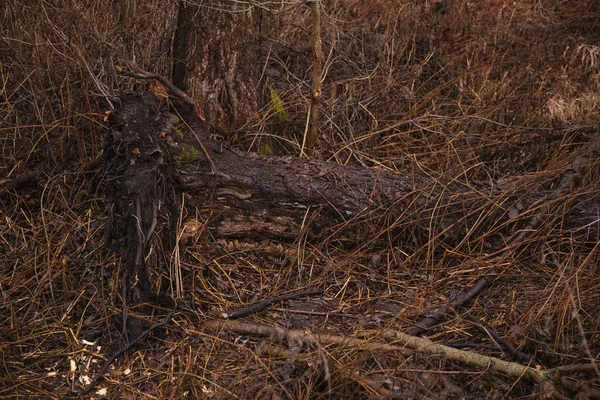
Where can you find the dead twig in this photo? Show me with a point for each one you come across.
(296, 337)
(467, 357)
(141, 74)
(261, 306)
(136, 71)
(504, 344)
(402, 343)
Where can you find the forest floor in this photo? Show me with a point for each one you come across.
(500, 93)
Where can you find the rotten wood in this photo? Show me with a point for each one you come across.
(141, 198)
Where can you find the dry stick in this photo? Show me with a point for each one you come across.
(319, 313)
(503, 343)
(297, 337)
(122, 350)
(139, 73)
(258, 307)
(300, 338)
(468, 357)
(482, 282)
(403, 342)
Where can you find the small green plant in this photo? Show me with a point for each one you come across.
(265, 150)
(277, 106)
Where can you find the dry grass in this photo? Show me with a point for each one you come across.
(500, 93)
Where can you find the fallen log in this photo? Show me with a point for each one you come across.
(155, 156)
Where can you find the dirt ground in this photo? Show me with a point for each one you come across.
(503, 95)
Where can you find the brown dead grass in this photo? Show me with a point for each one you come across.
(501, 93)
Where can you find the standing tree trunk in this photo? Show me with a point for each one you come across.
(216, 60)
(317, 68)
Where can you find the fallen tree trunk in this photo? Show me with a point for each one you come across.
(154, 157)
(250, 196)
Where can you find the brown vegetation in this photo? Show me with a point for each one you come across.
(491, 109)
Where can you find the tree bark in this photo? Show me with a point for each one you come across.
(216, 60)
